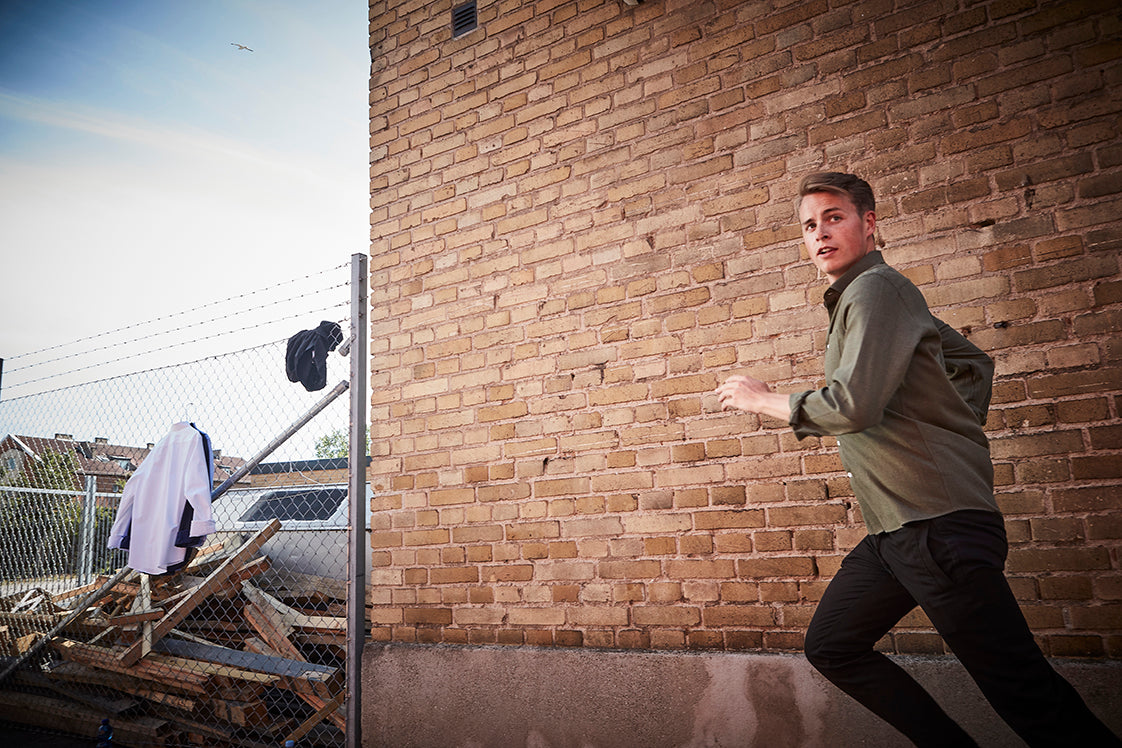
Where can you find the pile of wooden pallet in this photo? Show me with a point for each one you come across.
(228, 652)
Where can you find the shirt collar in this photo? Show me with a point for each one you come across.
(837, 288)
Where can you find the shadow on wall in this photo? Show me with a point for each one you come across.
(493, 697)
(522, 697)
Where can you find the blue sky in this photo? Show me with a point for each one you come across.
(147, 165)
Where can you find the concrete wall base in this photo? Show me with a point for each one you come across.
(523, 697)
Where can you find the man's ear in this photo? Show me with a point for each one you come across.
(870, 226)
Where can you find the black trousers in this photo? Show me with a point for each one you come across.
(952, 567)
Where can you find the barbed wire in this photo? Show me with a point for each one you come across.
(172, 316)
(175, 329)
(179, 344)
(154, 369)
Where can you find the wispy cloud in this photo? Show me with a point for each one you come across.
(137, 132)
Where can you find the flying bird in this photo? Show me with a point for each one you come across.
(241, 46)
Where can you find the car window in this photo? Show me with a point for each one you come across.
(296, 504)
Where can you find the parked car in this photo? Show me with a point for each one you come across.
(314, 523)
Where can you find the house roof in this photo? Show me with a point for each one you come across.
(98, 457)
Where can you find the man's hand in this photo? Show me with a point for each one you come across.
(753, 396)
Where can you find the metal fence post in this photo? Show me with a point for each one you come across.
(358, 506)
(86, 532)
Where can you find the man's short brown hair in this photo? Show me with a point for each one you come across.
(849, 185)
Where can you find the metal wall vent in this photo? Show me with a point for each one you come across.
(464, 19)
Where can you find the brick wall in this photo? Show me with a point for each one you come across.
(582, 220)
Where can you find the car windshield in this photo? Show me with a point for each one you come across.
(296, 504)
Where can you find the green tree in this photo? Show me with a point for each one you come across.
(53, 470)
(37, 530)
(337, 444)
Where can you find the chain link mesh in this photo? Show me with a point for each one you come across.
(246, 645)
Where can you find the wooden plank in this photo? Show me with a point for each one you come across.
(78, 591)
(233, 582)
(133, 618)
(27, 642)
(328, 708)
(271, 631)
(337, 640)
(74, 672)
(215, 580)
(107, 633)
(205, 551)
(252, 714)
(127, 590)
(307, 585)
(142, 603)
(301, 678)
(318, 702)
(109, 704)
(177, 674)
(255, 645)
(269, 623)
(295, 619)
(42, 622)
(190, 637)
(174, 673)
(264, 613)
(235, 658)
(35, 600)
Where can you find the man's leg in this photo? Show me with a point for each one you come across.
(972, 607)
(859, 606)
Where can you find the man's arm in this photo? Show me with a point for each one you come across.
(876, 327)
(753, 396)
(969, 369)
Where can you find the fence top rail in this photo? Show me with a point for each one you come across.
(55, 491)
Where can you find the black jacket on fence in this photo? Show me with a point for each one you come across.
(306, 358)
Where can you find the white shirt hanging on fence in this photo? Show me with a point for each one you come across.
(165, 508)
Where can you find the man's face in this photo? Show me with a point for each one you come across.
(836, 236)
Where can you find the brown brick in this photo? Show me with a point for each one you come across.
(1035, 445)
(1075, 383)
(720, 519)
(439, 616)
(1070, 271)
(1065, 588)
(739, 615)
(533, 530)
(1058, 559)
(629, 569)
(781, 566)
(700, 569)
(1087, 498)
(561, 487)
(670, 615)
(792, 516)
(1097, 617)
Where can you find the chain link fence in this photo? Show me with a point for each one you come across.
(244, 646)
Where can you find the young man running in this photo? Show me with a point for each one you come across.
(906, 396)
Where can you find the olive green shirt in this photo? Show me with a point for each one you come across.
(906, 396)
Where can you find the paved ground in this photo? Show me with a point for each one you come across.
(13, 736)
